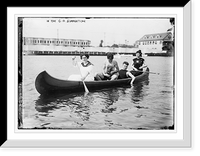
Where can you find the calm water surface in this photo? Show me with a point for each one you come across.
(146, 105)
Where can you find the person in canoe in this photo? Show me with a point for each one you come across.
(110, 69)
(124, 73)
(138, 64)
(85, 67)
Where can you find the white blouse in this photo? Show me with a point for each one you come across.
(84, 71)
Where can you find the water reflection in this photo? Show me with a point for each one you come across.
(83, 109)
(75, 106)
(45, 104)
(96, 110)
(107, 98)
(110, 97)
(138, 92)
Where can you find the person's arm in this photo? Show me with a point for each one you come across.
(104, 68)
(74, 61)
(134, 68)
(143, 66)
(132, 76)
(116, 66)
(105, 72)
(116, 69)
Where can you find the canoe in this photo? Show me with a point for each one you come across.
(45, 84)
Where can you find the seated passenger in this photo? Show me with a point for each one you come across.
(124, 73)
(110, 69)
(138, 64)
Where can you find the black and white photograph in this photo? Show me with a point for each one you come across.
(95, 77)
(96, 73)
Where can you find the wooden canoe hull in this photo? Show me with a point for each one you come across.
(45, 84)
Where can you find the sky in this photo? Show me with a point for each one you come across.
(110, 30)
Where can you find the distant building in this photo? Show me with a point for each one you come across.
(35, 45)
(154, 43)
(172, 29)
(56, 42)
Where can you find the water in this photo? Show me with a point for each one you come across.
(146, 105)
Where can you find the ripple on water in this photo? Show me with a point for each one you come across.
(146, 105)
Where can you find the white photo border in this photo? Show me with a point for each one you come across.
(181, 137)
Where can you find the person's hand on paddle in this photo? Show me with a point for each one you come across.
(143, 66)
(74, 57)
(74, 62)
(82, 78)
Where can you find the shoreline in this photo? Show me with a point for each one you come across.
(66, 53)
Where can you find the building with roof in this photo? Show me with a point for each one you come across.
(155, 43)
(33, 45)
(56, 42)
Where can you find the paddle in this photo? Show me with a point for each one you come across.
(148, 72)
(85, 87)
(153, 73)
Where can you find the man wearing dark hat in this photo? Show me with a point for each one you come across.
(138, 64)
